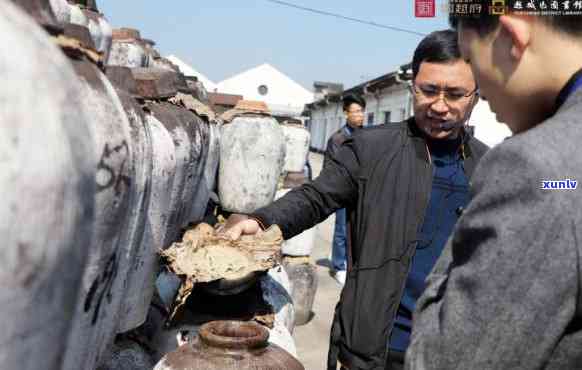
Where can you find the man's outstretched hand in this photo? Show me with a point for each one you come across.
(238, 225)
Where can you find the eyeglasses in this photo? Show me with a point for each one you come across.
(433, 92)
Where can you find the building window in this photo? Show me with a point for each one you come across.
(370, 119)
(387, 115)
(263, 90)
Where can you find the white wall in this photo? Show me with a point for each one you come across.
(487, 128)
(324, 122)
(283, 93)
(394, 100)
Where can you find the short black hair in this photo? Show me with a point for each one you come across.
(484, 22)
(351, 99)
(437, 47)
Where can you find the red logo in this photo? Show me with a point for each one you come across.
(424, 8)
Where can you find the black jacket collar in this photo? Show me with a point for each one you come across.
(419, 139)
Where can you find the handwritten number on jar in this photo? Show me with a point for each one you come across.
(107, 175)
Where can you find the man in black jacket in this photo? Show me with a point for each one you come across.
(353, 107)
(404, 186)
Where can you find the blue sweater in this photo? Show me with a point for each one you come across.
(450, 190)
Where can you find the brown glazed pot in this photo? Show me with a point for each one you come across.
(225, 345)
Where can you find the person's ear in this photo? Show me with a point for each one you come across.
(519, 29)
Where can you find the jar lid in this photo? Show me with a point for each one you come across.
(155, 83)
(123, 78)
(252, 106)
(129, 34)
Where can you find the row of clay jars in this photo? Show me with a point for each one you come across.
(113, 243)
(193, 143)
(180, 144)
(120, 187)
(94, 318)
(189, 134)
(130, 50)
(194, 137)
(133, 287)
(47, 181)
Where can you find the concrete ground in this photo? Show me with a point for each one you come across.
(312, 339)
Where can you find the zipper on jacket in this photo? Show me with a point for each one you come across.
(403, 285)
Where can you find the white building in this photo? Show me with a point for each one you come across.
(283, 96)
(389, 99)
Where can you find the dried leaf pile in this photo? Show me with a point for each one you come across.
(203, 256)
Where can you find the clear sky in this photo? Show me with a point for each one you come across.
(221, 38)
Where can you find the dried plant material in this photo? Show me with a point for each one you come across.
(203, 256)
(191, 103)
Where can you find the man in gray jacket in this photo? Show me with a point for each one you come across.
(507, 290)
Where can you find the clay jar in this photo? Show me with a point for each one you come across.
(109, 253)
(252, 154)
(139, 285)
(224, 345)
(128, 50)
(297, 140)
(47, 182)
